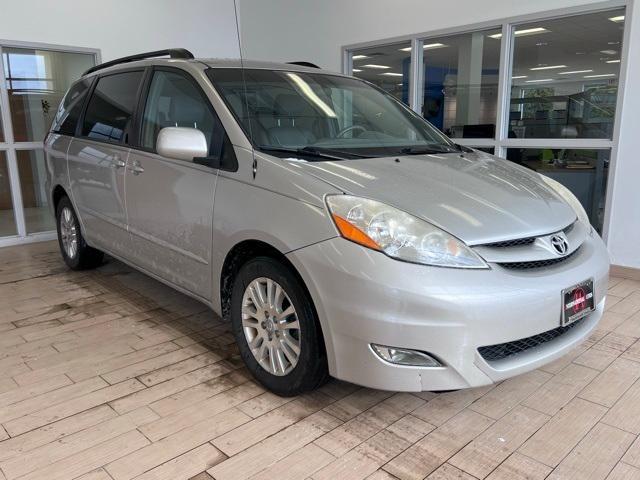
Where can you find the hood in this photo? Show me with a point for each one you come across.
(477, 197)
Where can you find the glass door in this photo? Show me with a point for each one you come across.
(33, 80)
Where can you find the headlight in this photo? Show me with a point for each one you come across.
(570, 198)
(398, 234)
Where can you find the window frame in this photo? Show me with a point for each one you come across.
(136, 135)
(501, 142)
(96, 80)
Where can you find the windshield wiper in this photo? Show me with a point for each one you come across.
(427, 149)
(307, 151)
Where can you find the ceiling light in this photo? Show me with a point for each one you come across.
(601, 75)
(392, 74)
(574, 71)
(548, 67)
(619, 18)
(608, 52)
(308, 92)
(356, 70)
(613, 61)
(373, 65)
(541, 80)
(526, 31)
(518, 76)
(359, 57)
(426, 46)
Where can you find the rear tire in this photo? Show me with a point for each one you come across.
(75, 251)
(277, 329)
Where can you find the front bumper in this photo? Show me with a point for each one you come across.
(365, 297)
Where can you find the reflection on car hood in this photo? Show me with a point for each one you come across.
(475, 196)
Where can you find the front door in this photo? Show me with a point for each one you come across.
(170, 202)
(97, 158)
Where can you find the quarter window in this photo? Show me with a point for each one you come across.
(70, 109)
(110, 110)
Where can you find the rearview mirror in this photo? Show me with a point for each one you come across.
(181, 143)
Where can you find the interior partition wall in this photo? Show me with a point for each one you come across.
(541, 90)
(33, 80)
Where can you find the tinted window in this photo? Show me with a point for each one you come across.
(70, 109)
(174, 100)
(111, 107)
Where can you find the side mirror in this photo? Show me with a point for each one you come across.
(182, 143)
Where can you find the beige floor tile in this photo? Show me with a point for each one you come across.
(258, 429)
(628, 305)
(611, 384)
(356, 403)
(173, 446)
(98, 474)
(596, 454)
(274, 448)
(367, 424)
(559, 390)
(186, 465)
(90, 459)
(50, 453)
(428, 454)
(632, 457)
(495, 444)
(410, 428)
(624, 287)
(300, 465)
(263, 403)
(446, 405)
(79, 404)
(622, 471)
(520, 467)
(559, 435)
(449, 472)
(625, 414)
(24, 393)
(504, 397)
(598, 358)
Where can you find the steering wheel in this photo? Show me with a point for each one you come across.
(350, 128)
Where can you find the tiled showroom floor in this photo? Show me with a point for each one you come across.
(107, 374)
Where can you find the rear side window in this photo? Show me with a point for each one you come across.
(110, 110)
(174, 100)
(70, 108)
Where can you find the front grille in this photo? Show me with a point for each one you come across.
(505, 350)
(512, 243)
(537, 263)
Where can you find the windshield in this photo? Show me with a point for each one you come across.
(323, 116)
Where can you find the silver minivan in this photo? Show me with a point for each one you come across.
(339, 232)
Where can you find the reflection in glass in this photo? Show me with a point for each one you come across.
(489, 150)
(31, 168)
(583, 171)
(36, 82)
(7, 218)
(565, 76)
(1, 129)
(460, 93)
(387, 67)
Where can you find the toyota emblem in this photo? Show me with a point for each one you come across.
(559, 244)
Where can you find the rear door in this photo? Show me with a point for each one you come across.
(97, 158)
(169, 201)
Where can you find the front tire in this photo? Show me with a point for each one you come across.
(75, 251)
(276, 328)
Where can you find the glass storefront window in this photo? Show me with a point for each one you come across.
(7, 217)
(460, 91)
(583, 171)
(36, 81)
(31, 169)
(565, 76)
(387, 67)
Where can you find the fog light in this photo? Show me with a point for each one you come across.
(404, 356)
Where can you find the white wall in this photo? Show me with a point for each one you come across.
(312, 30)
(124, 27)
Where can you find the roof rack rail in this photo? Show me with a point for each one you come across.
(171, 52)
(305, 64)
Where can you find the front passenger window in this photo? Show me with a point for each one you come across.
(175, 101)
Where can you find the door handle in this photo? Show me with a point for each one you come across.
(117, 162)
(136, 168)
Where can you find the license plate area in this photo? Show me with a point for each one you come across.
(577, 302)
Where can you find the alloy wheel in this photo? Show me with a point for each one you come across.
(271, 326)
(68, 232)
